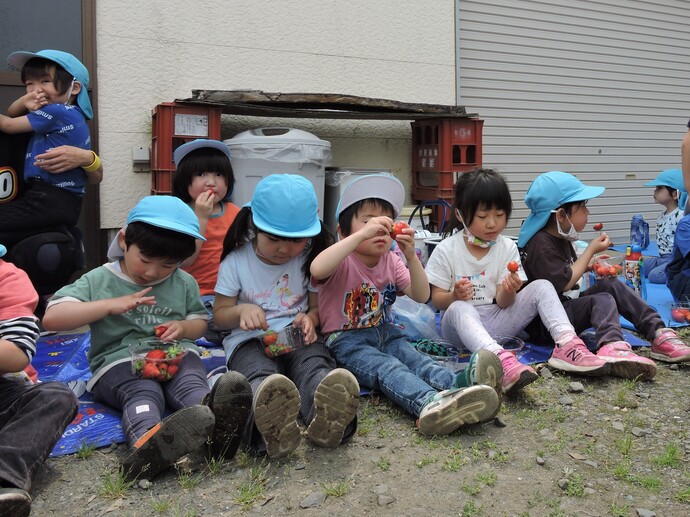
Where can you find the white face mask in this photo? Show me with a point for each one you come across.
(477, 241)
(572, 234)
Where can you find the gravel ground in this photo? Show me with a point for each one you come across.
(565, 446)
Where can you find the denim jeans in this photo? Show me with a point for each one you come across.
(143, 401)
(32, 419)
(383, 359)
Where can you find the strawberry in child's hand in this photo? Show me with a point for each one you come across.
(210, 192)
(159, 330)
(513, 266)
(598, 227)
(398, 228)
(270, 338)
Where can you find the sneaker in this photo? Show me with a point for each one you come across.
(668, 347)
(484, 368)
(451, 409)
(185, 431)
(276, 406)
(625, 363)
(575, 357)
(230, 400)
(336, 402)
(515, 374)
(14, 502)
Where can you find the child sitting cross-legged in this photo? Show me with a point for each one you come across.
(122, 302)
(359, 277)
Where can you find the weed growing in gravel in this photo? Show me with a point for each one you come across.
(651, 483)
(338, 488)
(471, 489)
(85, 450)
(188, 481)
(426, 460)
(114, 485)
(576, 486)
(622, 471)
(624, 445)
(683, 496)
(619, 510)
(488, 478)
(365, 421)
(469, 509)
(669, 458)
(384, 464)
(252, 489)
(160, 506)
(454, 462)
(215, 465)
(244, 459)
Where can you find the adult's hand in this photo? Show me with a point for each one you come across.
(66, 157)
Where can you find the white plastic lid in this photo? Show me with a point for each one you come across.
(275, 135)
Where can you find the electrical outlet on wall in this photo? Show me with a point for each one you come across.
(141, 159)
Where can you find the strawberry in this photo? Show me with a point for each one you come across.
(174, 351)
(150, 371)
(398, 228)
(172, 370)
(678, 315)
(513, 266)
(598, 227)
(270, 338)
(159, 330)
(156, 354)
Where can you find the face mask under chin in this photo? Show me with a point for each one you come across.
(571, 235)
(477, 241)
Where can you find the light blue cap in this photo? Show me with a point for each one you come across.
(671, 178)
(66, 61)
(548, 192)
(168, 212)
(373, 186)
(3, 250)
(199, 143)
(285, 205)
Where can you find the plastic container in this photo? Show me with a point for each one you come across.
(513, 344)
(337, 178)
(680, 312)
(258, 153)
(155, 359)
(444, 354)
(639, 232)
(283, 341)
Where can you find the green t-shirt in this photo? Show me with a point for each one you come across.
(177, 298)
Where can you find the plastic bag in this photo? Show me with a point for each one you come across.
(418, 319)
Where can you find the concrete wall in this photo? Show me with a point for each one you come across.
(156, 51)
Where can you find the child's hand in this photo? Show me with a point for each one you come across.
(127, 303)
(304, 321)
(34, 100)
(252, 317)
(599, 244)
(376, 227)
(171, 330)
(512, 283)
(405, 240)
(204, 203)
(463, 289)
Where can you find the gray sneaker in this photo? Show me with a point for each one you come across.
(276, 406)
(15, 502)
(451, 409)
(183, 432)
(336, 401)
(230, 400)
(485, 368)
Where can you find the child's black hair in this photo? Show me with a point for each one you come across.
(568, 208)
(243, 230)
(475, 190)
(346, 216)
(159, 243)
(204, 159)
(37, 67)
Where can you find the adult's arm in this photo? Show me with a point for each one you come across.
(67, 157)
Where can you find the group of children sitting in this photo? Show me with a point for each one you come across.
(193, 264)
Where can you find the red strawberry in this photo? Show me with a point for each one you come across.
(156, 354)
(398, 228)
(150, 371)
(159, 330)
(270, 338)
(513, 266)
(678, 315)
(172, 370)
(598, 227)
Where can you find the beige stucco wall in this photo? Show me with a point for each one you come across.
(156, 51)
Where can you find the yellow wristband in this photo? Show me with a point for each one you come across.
(95, 164)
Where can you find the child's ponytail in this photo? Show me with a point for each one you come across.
(241, 230)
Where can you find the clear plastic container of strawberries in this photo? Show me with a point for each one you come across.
(603, 268)
(155, 359)
(283, 341)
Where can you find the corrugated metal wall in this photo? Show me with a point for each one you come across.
(600, 89)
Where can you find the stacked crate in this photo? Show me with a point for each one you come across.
(173, 124)
(442, 149)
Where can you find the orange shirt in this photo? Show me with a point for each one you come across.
(205, 267)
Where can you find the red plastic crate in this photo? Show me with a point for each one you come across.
(173, 124)
(161, 182)
(453, 144)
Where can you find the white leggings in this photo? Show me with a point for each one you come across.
(473, 325)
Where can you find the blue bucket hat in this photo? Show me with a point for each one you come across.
(168, 212)
(3, 250)
(373, 186)
(199, 143)
(285, 205)
(548, 192)
(671, 178)
(67, 61)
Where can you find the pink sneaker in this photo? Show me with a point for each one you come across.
(515, 374)
(574, 357)
(668, 347)
(625, 363)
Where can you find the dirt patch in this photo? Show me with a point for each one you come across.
(607, 447)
